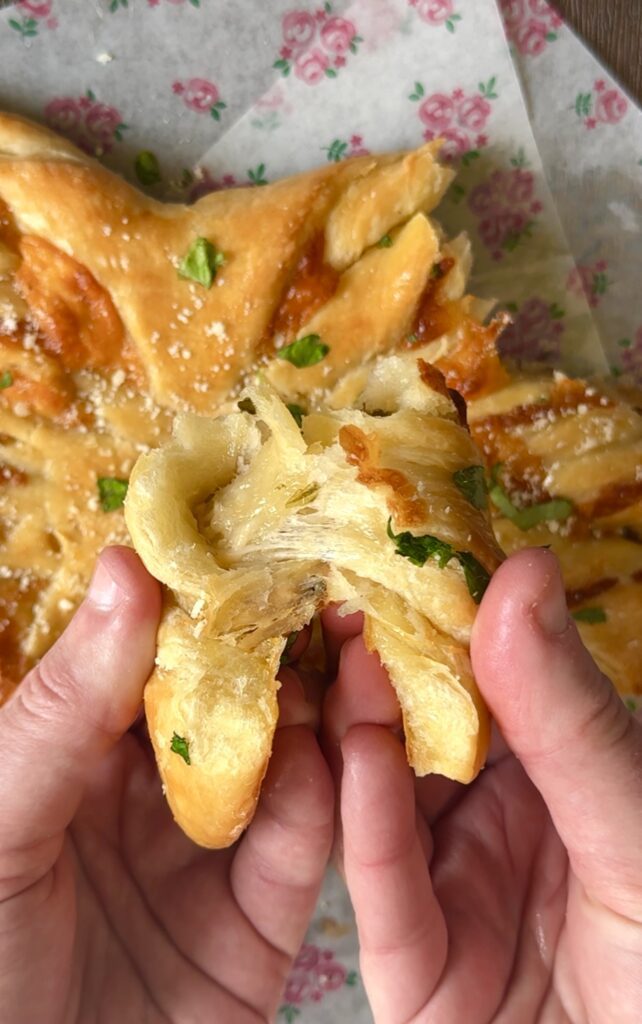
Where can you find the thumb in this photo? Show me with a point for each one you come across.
(70, 710)
(562, 718)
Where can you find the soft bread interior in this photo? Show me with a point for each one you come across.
(254, 523)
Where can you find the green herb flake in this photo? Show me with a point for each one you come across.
(6, 380)
(247, 405)
(147, 168)
(631, 704)
(201, 262)
(384, 242)
(591, 615)
(180, 746)
(306, 351)
(112, 492)
(289, 644)
(471, 481)
(558, 509)
(419, 549)
(297, 413)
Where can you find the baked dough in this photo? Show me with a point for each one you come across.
(566, 455)
(253, 524)
(103, 339)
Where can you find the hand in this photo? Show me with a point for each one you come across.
(516, 899)
(106, 909)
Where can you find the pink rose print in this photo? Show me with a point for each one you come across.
(513, 11)
(34, 14)
(339, 149)
(603, 105)
(456, 118)
(335, 38)
(36, 8)
(531, 38)
(437, 12)
(93, 126)
(505, 205)
(437, 112)
(314, 974)
(64, 115)
(530, 25)
(535, 334)
(312, 66)
(456, 143)
(589, 280)
(611, 106)
(337, 34)
(299, 29)
(473, 113)
(200, 95)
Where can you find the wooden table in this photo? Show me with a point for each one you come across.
(613, 30)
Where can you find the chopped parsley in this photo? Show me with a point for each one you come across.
(591, 615)
(112, 492)
(384, 242)
(247, 405)
(304, 351)
(471, 481)
(631, 704)
(180, 746)
(297, 413)
(557, 509)
(6, 379)
(147, 168)
(419, 549)
(201, 262)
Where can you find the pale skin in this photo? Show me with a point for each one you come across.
(515, 900)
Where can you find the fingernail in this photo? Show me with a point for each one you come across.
(104, 592)
(551, 611)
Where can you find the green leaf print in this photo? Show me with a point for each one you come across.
(557, 313)
(336, 150)
(600, 283)
(467, 158)
(451, 22)
(115, 4)
(583, 103)
(330, 73)
(27, 28)
(257, 175)
(487, 89)
(519, 160)
(418, 93)
(283, 66)
(289, 1012)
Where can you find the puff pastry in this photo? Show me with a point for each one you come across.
(118, 312)
(254, 523)
(564, 458)
(109, 325)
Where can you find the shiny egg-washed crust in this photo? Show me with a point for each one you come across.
(253, 525)
(104, 341)
(559, 438)
(132, 245)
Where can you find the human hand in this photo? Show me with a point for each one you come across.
(106, 909)
(518, 898)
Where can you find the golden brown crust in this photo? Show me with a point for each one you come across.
(579, 441)
(102, 339)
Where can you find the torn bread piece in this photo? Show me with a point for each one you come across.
(256, 520)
